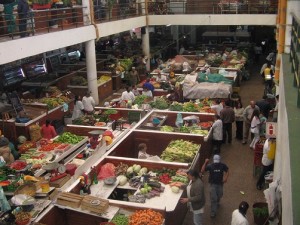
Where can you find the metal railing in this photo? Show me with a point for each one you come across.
(42, 21)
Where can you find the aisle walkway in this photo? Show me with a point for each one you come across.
(239, 159)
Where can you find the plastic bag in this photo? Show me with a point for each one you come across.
(107, 170)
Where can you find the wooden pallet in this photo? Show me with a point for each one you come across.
(69, 199)
(94, 204)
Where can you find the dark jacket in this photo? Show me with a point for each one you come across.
(227, 115)
(197, 198)
(23, 8)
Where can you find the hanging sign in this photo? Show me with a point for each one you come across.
(271, 129)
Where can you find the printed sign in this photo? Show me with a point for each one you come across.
(271, 130)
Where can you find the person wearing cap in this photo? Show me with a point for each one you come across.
(5, 151)
(239, 215)
(218, 175)
(195, 196)
(88, 103)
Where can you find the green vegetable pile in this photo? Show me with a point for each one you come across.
(180, 151)
(190, 107)
(110, 111)
(198, 131)
(140, 99)
(176, 106)
(167, 129)
(160, 103)
(69, 138)
(120, 219)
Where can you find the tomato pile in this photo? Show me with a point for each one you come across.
(18, 165)
(165, 178)
(48, 147)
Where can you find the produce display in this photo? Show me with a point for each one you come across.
(180, 151)
(87, 120)
(141, 99)
(26, 146)
(120, 219)
(185, 129)
(176, 106)
(69, 138)
(48, 147)
(50, 102)
(18, 165)
(78, 81)
(103, 79)
(149, 217)
(160, 103)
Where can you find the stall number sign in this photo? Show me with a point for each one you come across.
(271, 130)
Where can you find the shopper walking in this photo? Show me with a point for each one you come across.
(23, 9)
(195, 196)
(218, 175)
(88, 103)
(247, 120)
(239, 120)
(255, 128)
(228, 117)
(239, 215)
(217, 129)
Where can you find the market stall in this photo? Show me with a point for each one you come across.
(200, 86)
(78, 84)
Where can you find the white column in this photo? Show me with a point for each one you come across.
(91, 69)
(146, 47)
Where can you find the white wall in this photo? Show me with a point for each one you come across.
(22, 48)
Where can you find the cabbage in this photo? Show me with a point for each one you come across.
(136, 168)
(175, 189)
(122, 180)
(130, 170)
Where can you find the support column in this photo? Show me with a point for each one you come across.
(146, 46)
(91, 69)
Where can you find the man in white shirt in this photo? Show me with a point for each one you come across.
(239, 215)
(88, 103)
(127, 95)
(217, 129)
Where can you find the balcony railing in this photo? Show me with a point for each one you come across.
(43, 21)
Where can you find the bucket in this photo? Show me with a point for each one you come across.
(260, 218)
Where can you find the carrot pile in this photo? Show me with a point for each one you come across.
(146, 217)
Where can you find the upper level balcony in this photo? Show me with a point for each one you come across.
(62, 17)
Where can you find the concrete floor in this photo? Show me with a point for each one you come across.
(239, 159)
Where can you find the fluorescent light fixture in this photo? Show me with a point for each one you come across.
(168, 25)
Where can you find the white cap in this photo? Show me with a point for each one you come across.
(217, 158)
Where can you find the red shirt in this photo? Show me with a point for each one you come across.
(48, 132)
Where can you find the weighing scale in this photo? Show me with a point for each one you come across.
(57, 170)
